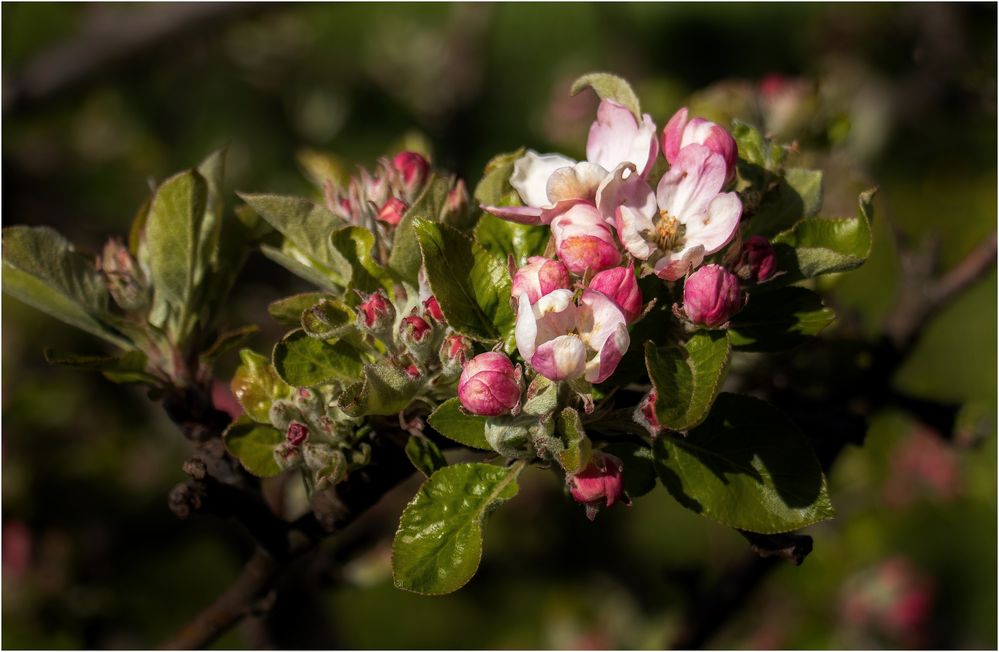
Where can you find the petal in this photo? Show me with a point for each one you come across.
(531, 173)
(526, 330)
(715, 228)
(598, 318)
(616, 137)
(673, 267)
(673, 135)
(563, 358)
(578, 182)
(623, 187)
(694, 180)
(519, 214)
(605, 362)
(554, 315)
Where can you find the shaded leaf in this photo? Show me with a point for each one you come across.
(639, 471)
(256, 386)
(289, 257)
(494, 189)
(778, 320)
(303, 361)
(504, 239)
(127, 368)
(327, 319)
(405, 258)
(253, 445)
(687, 378)
(798, 194)
(576, 453)
(425, 455)
(227, 341)
(466, 429)
(355, 245)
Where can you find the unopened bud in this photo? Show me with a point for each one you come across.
(454, 353)
(539, 277)
(758, 261)
(490, 385)
(392, 211)
(433, 308)
(282, 413)
(417, 336)
(711, 295)
(583, 240)
(297, 433)
(287, 455)
(376, 314)
(645, 413)
(123, 277)
(598, 485)
(413, 170)
(456, 206)
(621, 286)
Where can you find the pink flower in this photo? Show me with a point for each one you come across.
(621, 286)
(490, 385)
(599, 484)
(757, 260)
(375, 313)
(680, 133)
(392, 211)
(694, 218)
(539, 277)
(414, 170)
(583, 240)
(711, 295)
(432, 308)
(616, 137)
(565, 341)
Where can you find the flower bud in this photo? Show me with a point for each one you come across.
(124, 278)
(454, 353)
(297, 433)
(490, 385)
(287, 455)
(679, 133)
(599, 484)
(376, 314)
(417, 336)
(758, 261)
(432, 308)
(583, 240)
(711, 295)
(414, 170)
(645, 413)
(456, 206)
(539, 277)
(282, 413)
(392, 211)
(621, 286)
(413, 371)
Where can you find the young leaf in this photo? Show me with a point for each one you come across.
(778, 320)
(405, 259)
(127, 368)
(610, 87)
(472, 287)
(253, 445)
(42, 269)
(212, 170)
(288, 311)
(817, 246)
(327, 319)
(746, 466)
(438, 545)
(384, 390)
(355, 245)
(293, 260)
(302, 361)
(256, 386)
(576, 453)
(468, 430)
(425, 455)
(687, 378)
(494, 189)
(503, 238)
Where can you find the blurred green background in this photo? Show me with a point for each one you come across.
(98, 99)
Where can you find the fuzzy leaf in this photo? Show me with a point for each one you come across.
(327, 319)
(383, 390)
(504, 239)
(288, 311)
(610, 87)
(256, 386)
(466, 429)
(302, 361)
(746, 466)
(778, 320)
(355, 244)
(438, 545)
(576, 454)
(127, 368)
(687, 378)
(405, 258)
(293, 260)
(253, 445)
(425, 455)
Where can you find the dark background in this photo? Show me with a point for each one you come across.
(100, 99)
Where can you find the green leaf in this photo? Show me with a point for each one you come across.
(504, 239)
(494, 189)
(384, 390)
(778, 320)
(817, 246)
(798, 194)
(639, 471)
(288, 311)
(746, 466)
(173, 229)
(327, 319)
(42, 269)
(355, 245)
(212, 170)
(289, 257)
(471, 286)
(425, 455)
(308, 227)
(303, 361)
(256, 386)
(253, 445)
(405, 259)
(687, 378)
(466, 429)
(127, 368)
(438, 545)
(610, 87)
(755, 149)
(576, 454)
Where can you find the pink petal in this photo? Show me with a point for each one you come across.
(694, 180)
(673, 135)
(563, 358)
(554, 315)
(616, 137)
(717, 226)
(519, 214)
(598, 318)
(605, 362)
(673, 267)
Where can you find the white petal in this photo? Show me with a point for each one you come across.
(526, 331)
(531, 173)
(715, 228)
(578, 182)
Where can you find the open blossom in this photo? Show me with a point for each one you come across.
(621, 286)
(538, 277)
(711, 295)
(583, 241)
(490, 385)
(689, 218)
(564, 340)
(679, 133)
(549, 184)
(598, 485)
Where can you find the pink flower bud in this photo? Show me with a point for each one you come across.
(454, 353)
(415, 329)
(413, 371)
(645, 413)
(432, 308)
(711, 296)
(621, 286)
(375, 312)
(414, 170)
(599, 484)
(123, 276)
(679, 133)
(758, 261)
(456, 205)
(392, 211)
(583, 240)
(539, 277)
(297, 433)
(490, 385)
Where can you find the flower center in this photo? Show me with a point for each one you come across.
(669, 231)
